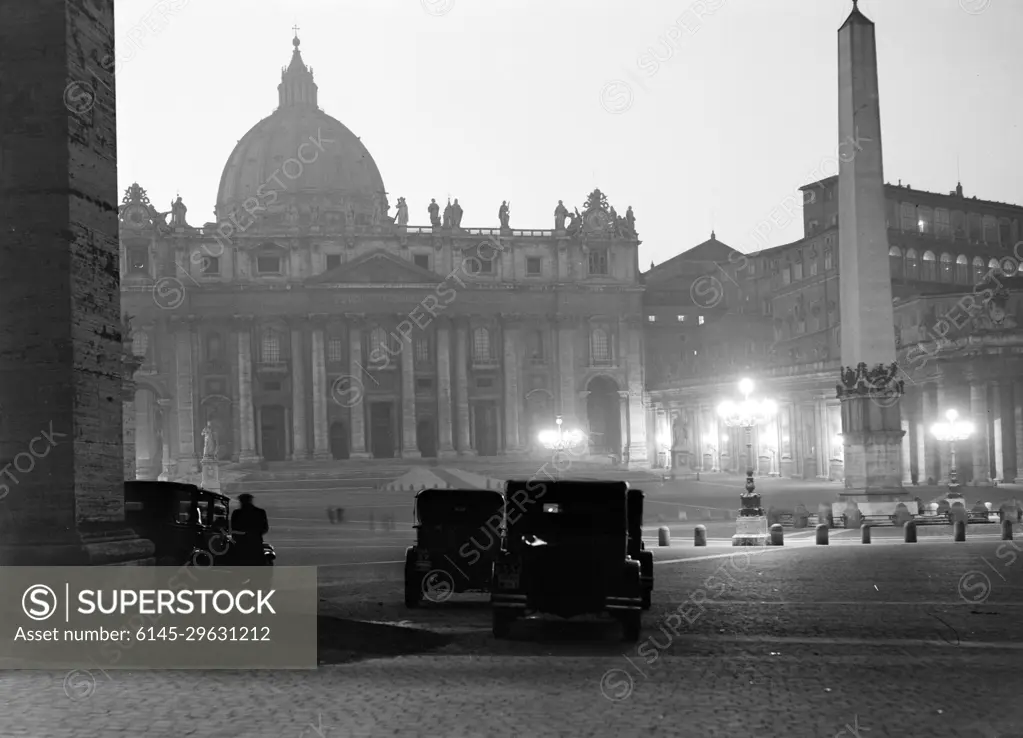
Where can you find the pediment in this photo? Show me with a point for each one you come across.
(378, 267)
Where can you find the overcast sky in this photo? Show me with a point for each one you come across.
(534, 101)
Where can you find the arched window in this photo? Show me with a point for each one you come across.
(600, 347)
(978, 269)
(909, 221)
(213, 347)
(481, 346)
(962, 270)
(139, 343)
(930, 273)
(990, 229)
(270, 349)
(993, 264)
(912, 265)
(895, 261)
(378, 352)
(945, 275)
(422, 350)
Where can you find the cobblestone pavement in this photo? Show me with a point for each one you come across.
(851, 640)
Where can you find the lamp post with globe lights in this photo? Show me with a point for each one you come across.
(952, 430)
(559, 440)
(751, 525)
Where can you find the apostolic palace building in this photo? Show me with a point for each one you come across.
(312, 320)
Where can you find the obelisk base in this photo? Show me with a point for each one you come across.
(211, 475)
(92, 545)
(750, 531)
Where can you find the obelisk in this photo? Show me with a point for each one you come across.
(61, 345)
(868, 386)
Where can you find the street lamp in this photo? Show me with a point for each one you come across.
(751, 526)
(559, 440)
(952, 430)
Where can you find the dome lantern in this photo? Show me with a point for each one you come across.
(297, 87)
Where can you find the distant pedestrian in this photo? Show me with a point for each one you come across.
(330, 515)
(339, 513)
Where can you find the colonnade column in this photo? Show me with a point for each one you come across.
(409, 445)
(462, 387)
(637, 414)
(512, 359)
(166, 473)
(996, 430)
(188, 462)
(928, 414)
(246, 417)
(567, 326)
(1017, 392)
(446, 448)
(298, 392)
(981, 442)
(321, 446)
(944, 403)
(356, 406)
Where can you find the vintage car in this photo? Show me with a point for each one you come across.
(458, 534)
(566, 552)
(637, 549)
(187, 524)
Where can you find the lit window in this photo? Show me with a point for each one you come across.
(681, 319)
(962, 270)
(481, 346)
(699, 320)
(651, 319)
(271, 348)
(930, 273)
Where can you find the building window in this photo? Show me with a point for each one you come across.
(978, 269)
(270, 348)
(962, 273)
(925, 220)
(213, 346)
(424, 384)
(699, 320)
(474, 261)
(751, 268)
(912, 265)
(891, 213)
(828, 264)
(481, 346)
(536, 348)
(210, 266)
(813, 266)
(946, 268)
(681, 319)
(597, 261)
(797, 271)
(651, 319)
(534, 266)
(1005, 232)
(422, 350)
(379, 355)
(941, 223)
(421, 260)
(812, 227)
(786, 274)
(995, 265)
(333, 261)
(600, 347)
(766, 307)
(139, 343)
(930, 271)
(895, 261)
(268, 264)
(990, 229)
(976, 226)
(829, 194)
(335, 350)
(138, 261)
(909, 219)
(958, 224)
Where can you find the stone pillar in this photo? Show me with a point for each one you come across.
(246, 414)
(637, 416)
(907, 471)
(512, 393)
(409, 445)
(623, 407)
(871, 413)
(188, 459)
(945, 402)
(446, 447)
(981, 437)
(567, 327)
(462, 388)
(61, 426)
(996, 430)
(928, 445)
(1017, 391)
(128, 414)
(166, 474)
(321, 445)
(298, 392)
(356, 404)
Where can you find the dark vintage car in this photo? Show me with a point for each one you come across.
(458, 534)
(637, 549)
(187, 524)
(566, 552)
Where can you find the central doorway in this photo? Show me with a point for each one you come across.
(381, 429)
(426, 438)
(338, 440)
(603, 408)
(484, 426)
(273, 433)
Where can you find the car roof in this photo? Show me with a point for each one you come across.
(141, 488)
(565, 489)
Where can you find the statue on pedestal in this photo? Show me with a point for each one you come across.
(350, 215)
(446, 223)
(504, 214)
(402, 217)
(209, 451)
(575, 223)
(456, 215)
(178, 211)
(434, 210)
(560, 215)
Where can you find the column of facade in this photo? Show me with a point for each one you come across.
(823, 437)
(637, 417)
(1017, 391)
(321, 441)
(567, 327)
(512, 384)
(930, 469)
(945, 401)
(356, 404)
(996, 429)
(981, 437)
(188, 461)
(445, 430)
(462, 388)
(246, 413)
(168, 463)
(298, 391)
(1008, 431)
(907, 467)
(623, 420)
(236, 425)
(409, 445)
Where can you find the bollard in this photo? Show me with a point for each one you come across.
(865, 534)
(700, 535)
(822, 534)
(910, 529)
(777, 535)
(1006, 530)
(960, 531)
(663, 536)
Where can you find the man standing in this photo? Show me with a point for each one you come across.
(248, 526)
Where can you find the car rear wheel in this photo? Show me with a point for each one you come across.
(413, 591)
(632, 623)
(502, 622)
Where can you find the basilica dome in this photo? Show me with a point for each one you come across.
(300, 161)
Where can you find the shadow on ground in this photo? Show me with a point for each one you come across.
(341, 641)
